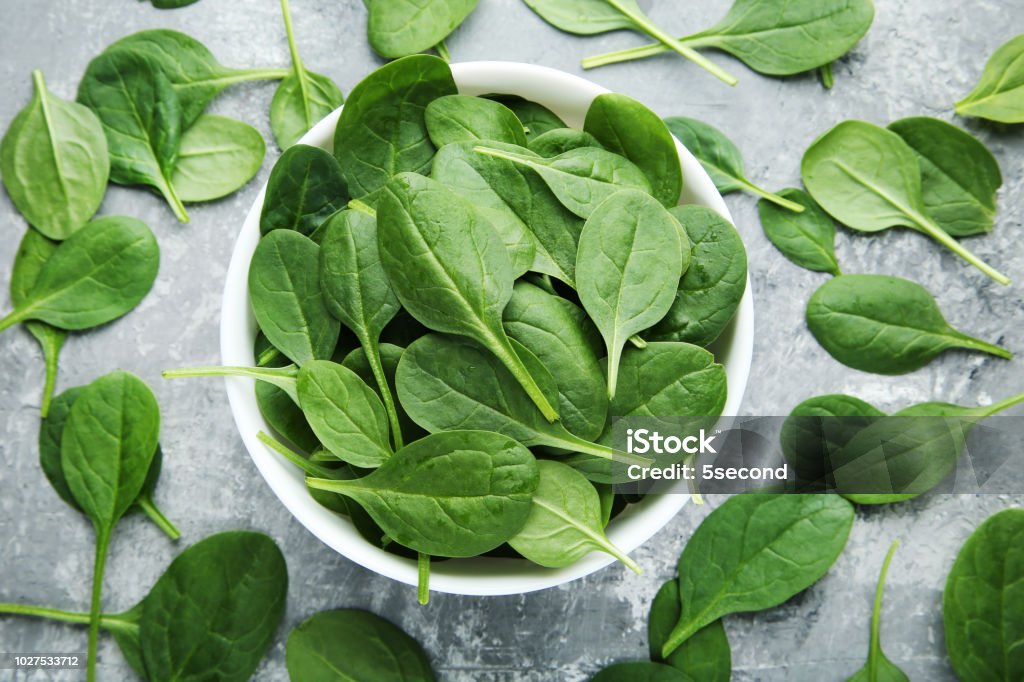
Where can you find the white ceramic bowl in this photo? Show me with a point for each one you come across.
(568, 96)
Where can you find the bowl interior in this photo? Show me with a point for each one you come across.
(568, 96)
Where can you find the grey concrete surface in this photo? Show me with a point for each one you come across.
(920, 56)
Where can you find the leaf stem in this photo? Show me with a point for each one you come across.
(99, 565)
(362, 207)
(307, 467)
(876, 613)
(1004, 405)
(929, 227)
(54, 341)
(44, 612)
(423, 582)
(149, 508)
(298, 67)
(768, 196)
(442, 51)
(243, 75)
(167, 190)
(14, 317)
(642, 51)
(503, 350)
(267, 356)
(985, 347)
(827, 77)
(371, 348)
(282, 377)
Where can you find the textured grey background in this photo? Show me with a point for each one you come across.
(920, 56)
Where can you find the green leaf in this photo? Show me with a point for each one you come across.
(641, 671)
(712, 287)
(172, 4)
(706, 656)
(407, 27)
(869, 179)
(885, 325)
(630, 260)
(382, 131)
(141, 117)
(284, 288)
(449, 269)
(460, 118)
(457, 516)
(625, 126)
(536, 118)
(565, 522)
(390, 356)
(54, 163)
(755, 552)
(95, 276)
(305, 188)
(806, 239)
(959, 175)
(670, 379)
(879, 668)
(354, 645)
(999, 94)
(218, 156)
(983, 602)
(561, 140)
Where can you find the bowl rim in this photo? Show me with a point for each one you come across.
(569, 96)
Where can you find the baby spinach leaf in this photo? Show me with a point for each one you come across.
(536, 118)
(983, 601)
(390, 355)
(518, 204)
(773, 37)
(303, 98)
(755, 552)
(999, 94)
(54, 162)
(544, 325)
(885, 325)
(382, 131)
(363, 645)
(95, 276)
(33, 252)
(869, 179)
(561, 140)
(447, 384)
(285, 416)
(172, 4)
(625, 126)
(721, 159)
(191, 68)
(706, 656)
(641, 671)
(357, 292)
(629, 263)
(305, 188)
(581, 178)
(808, 238)
(218, 156)
(460, 118)
(712, 287)
(565, 522)
(344, 413)
(450, 270)
(457, 494)
(670, 379)
(879, 668)
(959, 175)
(590, 17)
(141, 117)
(284, 288)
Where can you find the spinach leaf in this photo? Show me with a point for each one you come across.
(630, 260)
(565, 522)
(885, 325)
(218, 156)
(869, 179)
(999, 94)
(959, 175)
(305, 188)
(460, 118)
(172, 4)
(641, 671)
(670, 379)
(982, 602)
(285, 416)
(448, 384)
(711, 289)
(382, 131)
(302, 98)
(450, 269)
(344, 413)
(625, 126)
(33, 252)
(54, 162)
(284, 288)
(141, 117)
(721, 159)
(107, 447)
(581, 178)
(365, 646)
(95, 276)
(561, 140)
(461, 515)
(544, 325)
(390, 355)
(407, 27)
(191, 68)
(706, 656)
(590, 17)
(536, 118)
(773, 37)
(518, 204)
(879, 668)
(808, 238)
(755, 552)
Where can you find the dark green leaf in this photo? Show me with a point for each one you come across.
(305, 188)
(705, 657)
(536, 118)
(807, 239)
(460, 118)
(407, 27)
(879, 668)
(641, 671)
(561, 140)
